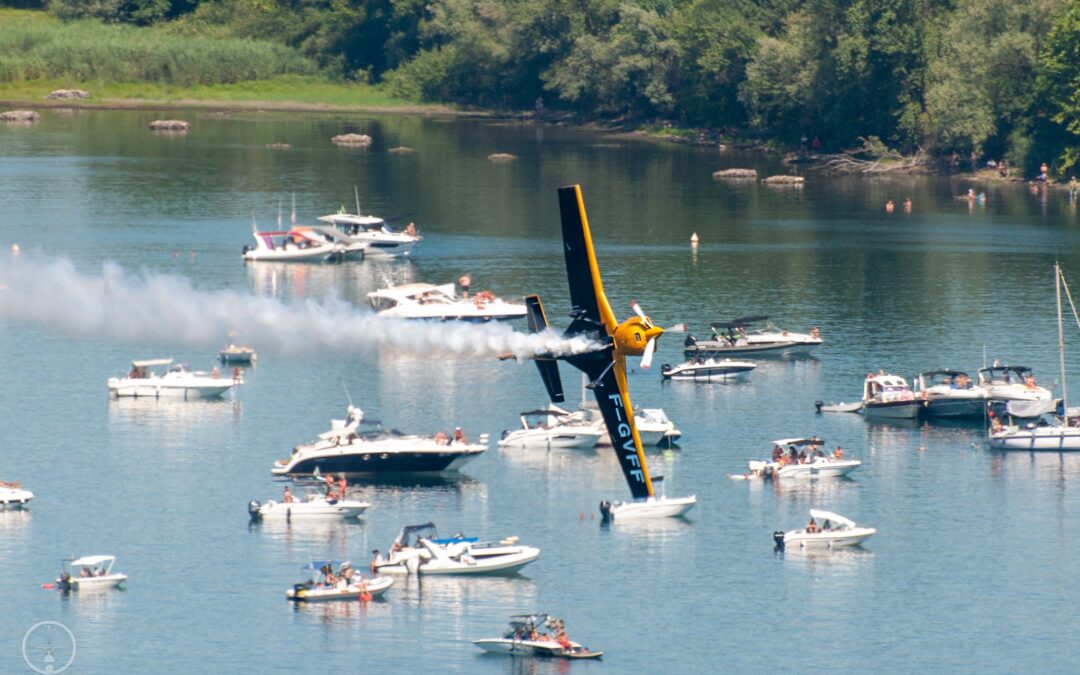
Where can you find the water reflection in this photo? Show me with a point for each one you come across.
(168, 415)
(350, 280)
(14, 519)
(845, 558)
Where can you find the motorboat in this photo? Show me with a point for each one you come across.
(650, 507)
(372, 231)
(826, 529)
(236, 354)
(653, 425)
(1005, 383)
(302, 244)
(740, 337)
(709, 370)
(1053, 433)
(349, 449)
(888, 397)
(161, 378)
(439, 303)
(346, 584)
(552, 427)
(525, 637)
(419, 550)
(13, 496)
(90, 572)
(950, 393)
(313, 506)
(803, 458)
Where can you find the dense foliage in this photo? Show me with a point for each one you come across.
(998, 78)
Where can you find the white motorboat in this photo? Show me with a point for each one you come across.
(803, 458)
(302, 244)
(419, 550)
(709, 370)
(826, 529)
(90, 572)
(236, 354)
(660, 506)
(1011, 383)
(738, 337)
(372, 231)
(13, 496)
(653, 426)
(348, 449)
(950, 393)
(160, 378)
(525, 637)
(439, 302)
(888, 397)
(314, 506)
(1054, 434)
(552, 427)
(346, 584)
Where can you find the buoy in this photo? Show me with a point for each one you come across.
(581, 515)
(15, 249)
(694, 239)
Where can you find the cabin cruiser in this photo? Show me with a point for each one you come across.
(169, 381)
(552, 427)
(303, 244)
(803, 458)
(739, 337)
(888, 397)
(1011, 383)
(373, 233)
(236, 354)
(13, 496)
(346, 584)
(709, 370)
(313, 506)
(419, 550)
(348, 449)
(525, 637)
(833, 530)
(950, 393)
(90, 572)
(438, 302)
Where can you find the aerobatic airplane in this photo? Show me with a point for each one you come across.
(605, 366)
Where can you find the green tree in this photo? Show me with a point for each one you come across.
(1059, 87)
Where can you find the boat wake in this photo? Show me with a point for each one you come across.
(164, 308)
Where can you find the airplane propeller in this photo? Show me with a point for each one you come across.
(647, 324)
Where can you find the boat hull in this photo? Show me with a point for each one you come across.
(891, 410)
(14, 498)
(1052, 439)
(830, 468)
(317, 510)
(539, 438)
(381, 462)
(957, 408)
(654, 507)
(711, 349)
(828, 538)
(375, 587)
(541, 648)
(96, 583)
(126, 388)
(720, 373)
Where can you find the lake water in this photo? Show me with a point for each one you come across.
(972, 568)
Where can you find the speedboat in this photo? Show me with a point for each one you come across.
(372, 231)
(552, 427)
(888, 397)
(174, 381)
(439, 303)
(302, 244)
(345, 585)
(419, 550)
(950, 393)
(739, 337)
(651, 507)
(348, 449)
(709, 370)
(1011, 383)
(833, 530)
(803, 458)
(236, 354)
(13, 496)
(1048, 433)
(653, 425)
(524, 638)
(314, 506)
(90, 572)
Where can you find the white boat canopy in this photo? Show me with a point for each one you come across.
(352, 219)
(833, 517)
(798, 441)
(92, 560)
(151, 362)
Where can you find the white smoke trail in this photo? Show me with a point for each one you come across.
(163, 308)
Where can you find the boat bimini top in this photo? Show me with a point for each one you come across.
(832, 517)
(798, 442)
(741, 321)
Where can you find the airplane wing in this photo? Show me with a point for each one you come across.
(608, 371)
(590, 305)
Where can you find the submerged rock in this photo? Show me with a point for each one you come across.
(735, 173)
(351, 139)
(20, 116)
(69, 94)
(170, 125)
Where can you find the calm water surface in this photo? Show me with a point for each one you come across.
(973, 566)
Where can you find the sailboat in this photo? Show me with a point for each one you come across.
(1060, 435)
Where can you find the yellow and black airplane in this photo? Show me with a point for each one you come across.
(605, 366)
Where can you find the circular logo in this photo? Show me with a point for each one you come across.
(48, 647)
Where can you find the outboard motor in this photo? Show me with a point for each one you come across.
(253, 509)
(690, 341)
(64, 583)
(778, 537)
(605, 512)
(666, 368)
(817, 406)
(244, 250)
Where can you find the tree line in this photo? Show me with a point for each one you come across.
(998, 79)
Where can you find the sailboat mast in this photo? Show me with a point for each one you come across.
(356, 193)
(1061, 344)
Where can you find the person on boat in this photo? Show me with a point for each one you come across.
(441, 438)
(328, 573)
(812, 527)
(777, 453)
(907, 205)
(815, 333)
(237, 375)
(459, 436)
(394, 548)
(889, 206)
(838, 453)
(1029, 381)
(410, 229)
(343, 485)
(215, 372)
(331, 489)
(995, 424)
(561, 637)
(465, 281)
(347, 572)
(288, 497)
(376, 560)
